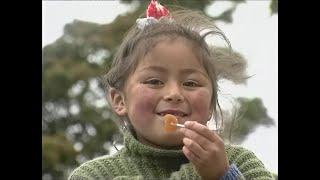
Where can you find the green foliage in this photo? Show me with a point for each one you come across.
(274, 7)
(72, 66)
(58, 153)
(244, 118)
(275, 176)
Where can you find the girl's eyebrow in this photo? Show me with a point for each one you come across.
(154, 68)
(193, 70)
(164, 70)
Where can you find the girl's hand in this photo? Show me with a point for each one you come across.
(205, 149)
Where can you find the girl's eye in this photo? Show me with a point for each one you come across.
(191, 84)
(153, 82)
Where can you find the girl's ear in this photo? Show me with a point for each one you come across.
(117, 100)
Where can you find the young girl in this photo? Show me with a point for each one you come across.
(165, 66)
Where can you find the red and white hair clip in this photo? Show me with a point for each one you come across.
(154, 12)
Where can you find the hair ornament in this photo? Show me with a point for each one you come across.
(154, 12)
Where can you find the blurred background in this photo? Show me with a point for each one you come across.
(79, 39)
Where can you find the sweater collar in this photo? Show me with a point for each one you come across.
(134, 146)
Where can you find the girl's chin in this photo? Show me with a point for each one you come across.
(174, 143)
(177, 147)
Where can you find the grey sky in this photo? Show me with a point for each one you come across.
(253, 33)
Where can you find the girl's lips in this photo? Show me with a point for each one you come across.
(173, 112)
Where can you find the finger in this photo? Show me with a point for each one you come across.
(202, 129)
(191, 156)
(194, 147)
(198, 138)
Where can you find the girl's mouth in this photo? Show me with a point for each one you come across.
(173, 112)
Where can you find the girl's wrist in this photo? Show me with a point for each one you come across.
(232, 173)
(218, 176)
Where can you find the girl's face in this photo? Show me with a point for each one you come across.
(170, 79)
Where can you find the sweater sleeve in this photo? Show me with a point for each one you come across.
(248, 163)
(243, 165)
(233, 173)
(187, 171)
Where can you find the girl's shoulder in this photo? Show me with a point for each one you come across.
(233, 148)
(95, 168)
(239, 153)
(247, 162)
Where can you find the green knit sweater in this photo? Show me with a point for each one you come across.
(138, 161)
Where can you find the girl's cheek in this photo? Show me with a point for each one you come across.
(201, 102)
(144, 104)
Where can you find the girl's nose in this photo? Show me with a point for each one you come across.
(174, 95)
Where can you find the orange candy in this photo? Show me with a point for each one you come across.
(170, 122)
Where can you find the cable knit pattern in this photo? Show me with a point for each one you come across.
(137, 161)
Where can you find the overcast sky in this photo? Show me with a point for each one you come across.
(253, 33)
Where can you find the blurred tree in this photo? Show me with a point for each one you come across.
(244, 117)
(58, 153)
(77, 121)
(274, 7)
